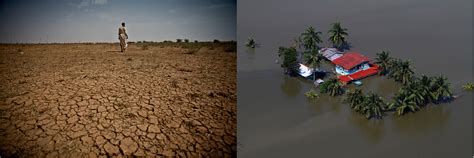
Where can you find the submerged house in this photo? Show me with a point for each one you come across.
(305, 71)
(354, 66)
(330, 53)
(350, 66)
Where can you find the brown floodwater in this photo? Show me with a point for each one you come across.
(276, 120)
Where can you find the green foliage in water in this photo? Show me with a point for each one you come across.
(383, 60)
(468, 86)
(420, 92)
(355, 98)
(289, 57)
(311, 94)
(411, 97)
(401, 71)
(373, 106)
(332, 87)
(251, 43)
(404, 102)
(314, 60)
(440, 90)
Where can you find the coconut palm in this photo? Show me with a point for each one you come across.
(251, 43)
(373, 106)
(314, 60)
(332, 86)
(383, 60)
(404, 102)
(425, 87)
(414, 92)
(338, 36)
(355, 98)
(440, 89)
(405, 105)
(310, 39)
(401, 71)
(358, 107)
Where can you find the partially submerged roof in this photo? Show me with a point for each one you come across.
(305, 71)
(330, 53)
(350, 60)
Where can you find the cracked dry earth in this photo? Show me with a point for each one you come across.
(76, 100)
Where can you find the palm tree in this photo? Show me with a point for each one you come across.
(383, 60)
(314, 60)
(414, 92)
(332, 86)
(355, 98)
(374, 106)
(338, 35)
(404, 103)
(404, 106)
(425, 87)
(311, 39)
(401, 71)
(251, 43)
(440, 89)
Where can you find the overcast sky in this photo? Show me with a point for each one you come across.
(98, 20)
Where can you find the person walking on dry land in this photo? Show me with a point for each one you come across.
(123, 36)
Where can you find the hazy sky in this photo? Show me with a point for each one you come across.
(98, 20)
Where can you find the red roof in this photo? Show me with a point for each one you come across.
(350, 60)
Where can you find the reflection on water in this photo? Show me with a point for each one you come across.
(330, 103)
(250, 53)
(373, 130)
(430, 118)
(316, 108)
(290, 86)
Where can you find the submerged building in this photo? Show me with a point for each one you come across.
(350, 66)
(330, 53)
(354, 66)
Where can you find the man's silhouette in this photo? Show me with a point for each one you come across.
(123, 36)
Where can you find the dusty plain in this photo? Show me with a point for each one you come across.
(156, 99)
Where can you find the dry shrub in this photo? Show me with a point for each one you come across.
(144, 47)
(192, 51)
(230, 48)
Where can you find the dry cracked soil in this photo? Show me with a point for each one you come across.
(76, 100)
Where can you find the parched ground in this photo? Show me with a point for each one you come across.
(76, 100)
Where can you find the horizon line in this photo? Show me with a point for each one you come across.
(103, 42)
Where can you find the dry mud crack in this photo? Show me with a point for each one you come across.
(76, 100)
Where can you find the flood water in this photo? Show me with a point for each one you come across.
(276, 120)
